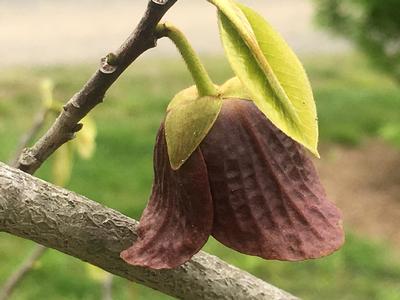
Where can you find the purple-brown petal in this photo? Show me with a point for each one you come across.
(268, 200)
(178, 218)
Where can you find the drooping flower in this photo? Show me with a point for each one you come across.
(248, 185)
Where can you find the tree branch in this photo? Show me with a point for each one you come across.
(54, 217)
(92, 94)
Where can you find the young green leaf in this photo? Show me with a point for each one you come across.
(62, 165)
(85, 141)
(189, 119)
(270, 71)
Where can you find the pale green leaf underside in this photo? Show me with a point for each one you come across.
(188, 121)
(270, 71)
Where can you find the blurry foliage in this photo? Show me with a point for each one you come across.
(85, 141)
(84, 144)
(95, 273)
(391, 132)
(350, 99)
(373, 25)
(62, 165)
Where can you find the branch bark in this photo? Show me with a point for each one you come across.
(92, 93)
(54, 217)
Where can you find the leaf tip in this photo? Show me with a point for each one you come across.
(316, 153)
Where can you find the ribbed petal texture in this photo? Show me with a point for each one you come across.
(268, 200)
(178, 218)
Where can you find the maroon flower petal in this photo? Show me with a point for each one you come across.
(268, 200)
(178, 218)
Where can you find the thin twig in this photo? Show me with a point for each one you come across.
(92, 94)
(22, 270)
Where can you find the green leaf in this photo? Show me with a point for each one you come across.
(85, 141)
(189, 119)
(270, 71)
(62, 165)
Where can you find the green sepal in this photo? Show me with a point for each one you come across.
(234, 89)
(270, 71)
(188, 121)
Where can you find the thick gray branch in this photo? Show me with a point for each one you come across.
(54, 217)
(92, 93)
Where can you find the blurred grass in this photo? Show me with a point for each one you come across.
(353, 102)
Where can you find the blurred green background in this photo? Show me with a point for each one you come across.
(357, 105)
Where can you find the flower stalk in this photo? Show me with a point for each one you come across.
(204, 84)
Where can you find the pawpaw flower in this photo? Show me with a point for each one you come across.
(249, 185)
(229, 161)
